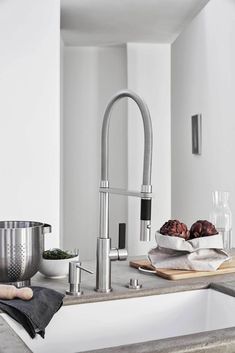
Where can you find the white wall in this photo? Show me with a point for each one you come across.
(203, 81)
(61, 140)
(91, 76)
(29, 112)
(149, 76)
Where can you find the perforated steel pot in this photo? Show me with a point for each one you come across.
(21, 248)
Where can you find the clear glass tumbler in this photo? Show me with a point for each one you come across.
(221, 217)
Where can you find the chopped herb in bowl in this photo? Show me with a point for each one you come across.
(57, 254)
(55, 262)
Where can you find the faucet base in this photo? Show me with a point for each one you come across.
(74, 294)
(103, 266)
(103, 290)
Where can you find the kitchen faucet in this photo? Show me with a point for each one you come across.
(106, 254)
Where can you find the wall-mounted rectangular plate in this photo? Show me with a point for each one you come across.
(197, 134)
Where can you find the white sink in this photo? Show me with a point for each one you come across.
(77, 328)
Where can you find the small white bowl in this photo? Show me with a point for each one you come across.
(55, 269)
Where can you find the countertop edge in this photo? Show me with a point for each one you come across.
(94, 298)
(210, 341)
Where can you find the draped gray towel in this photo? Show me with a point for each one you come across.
(35, 314)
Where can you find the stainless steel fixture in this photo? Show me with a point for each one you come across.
(21, 248)
(105, 254)
(134, 284)
(75, 268)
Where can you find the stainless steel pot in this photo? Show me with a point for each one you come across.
(21, 248)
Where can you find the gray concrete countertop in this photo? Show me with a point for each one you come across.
(121, 274)
(220, 341)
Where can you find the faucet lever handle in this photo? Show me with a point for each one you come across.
(84, 269)
(122, 236)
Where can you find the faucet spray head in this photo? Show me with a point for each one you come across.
(145, 220)
(145, 230)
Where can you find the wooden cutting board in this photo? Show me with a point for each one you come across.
(226, 267)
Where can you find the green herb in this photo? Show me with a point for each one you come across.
(57, 254)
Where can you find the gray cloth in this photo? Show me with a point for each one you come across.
(35, 314)
(180, 244)
(200, 254)
(199, 260)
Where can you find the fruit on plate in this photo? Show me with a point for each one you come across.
(175, 228)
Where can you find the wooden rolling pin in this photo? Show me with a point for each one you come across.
(11, 292)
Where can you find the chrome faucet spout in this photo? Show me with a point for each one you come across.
(104, 252)
(148, 135)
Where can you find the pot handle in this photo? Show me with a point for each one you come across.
(46, 228)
